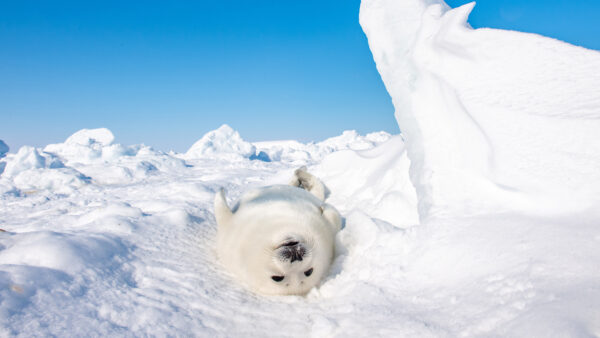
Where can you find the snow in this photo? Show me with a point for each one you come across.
(294, 151)
(3, 149)
(481, 219)
(95, 245)
(505, 131)
(221, 142)
(373, 180)
(500, 130)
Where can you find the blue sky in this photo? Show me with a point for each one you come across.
(164, 73)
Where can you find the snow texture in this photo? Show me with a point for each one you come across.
(223, 142)
(294, 151)
(481, 219)
(501, 131)
(514, 120)
(3, 149)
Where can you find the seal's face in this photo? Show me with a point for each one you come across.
(291, 250)
(277, 240)
(292, 266)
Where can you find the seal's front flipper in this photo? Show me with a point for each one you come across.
(302, 179)
(222, 212)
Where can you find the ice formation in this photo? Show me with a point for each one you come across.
(480, 220)
(501, 131)
(490, 120)
(3, 149)
(294, 151)
(221, 142)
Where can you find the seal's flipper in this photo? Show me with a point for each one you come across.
(302, 179)
(333, 216)
(222, 212)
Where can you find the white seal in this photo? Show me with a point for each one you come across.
(278, 240)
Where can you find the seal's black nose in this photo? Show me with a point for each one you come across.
(292, 251)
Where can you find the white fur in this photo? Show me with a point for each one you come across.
(251, 235)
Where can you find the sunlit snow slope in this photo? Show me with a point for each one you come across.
(481, 219)
(502, 134)
(496, 120)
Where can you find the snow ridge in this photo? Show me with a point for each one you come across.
(219, 142)
(488, 235)
(502, 133)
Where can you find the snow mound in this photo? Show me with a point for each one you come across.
(31, 170)
(374, 180)
(297, 152)
(89, 155)
(222, 142)
(89, 145)
(59, 251)
(489, 121)
(87, 137)
(495, 251)
(30, 158)
(94, 153)
(3, 149)
(350, 139)
(501, 133)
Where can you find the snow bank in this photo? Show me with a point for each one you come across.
(226, 143)
(94, 153)
(31, 170)
(501, 132)
(374, 180)
(59, 251)
(490, 123)
(301, 153)
(30, 158)
(89, 155)
(88, 145)
(88, 137)
(350, 139)
(494, 146)
(222, 142)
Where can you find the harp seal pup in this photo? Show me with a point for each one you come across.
(278, 240)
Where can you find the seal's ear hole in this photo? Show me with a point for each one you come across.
(278, 278)
(308, 272)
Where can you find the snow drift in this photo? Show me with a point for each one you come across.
(226, 143)
(495, 120)
(294, 151)
(481, 220)
(128, 252)
(501, 131)
(223, 141)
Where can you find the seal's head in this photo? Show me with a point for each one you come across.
(290, 264)
(274, 244)
(297, 264)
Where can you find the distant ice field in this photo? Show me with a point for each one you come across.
(481, 219)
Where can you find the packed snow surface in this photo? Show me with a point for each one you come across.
(495, 119)
(481, 219)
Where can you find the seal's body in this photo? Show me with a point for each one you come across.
(278, 240)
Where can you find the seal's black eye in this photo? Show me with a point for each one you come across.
(308, 272)
(278, 278)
